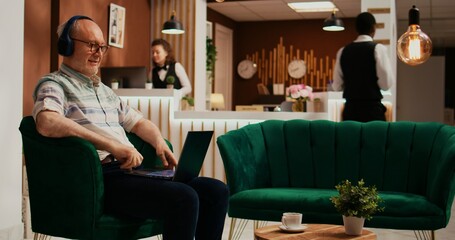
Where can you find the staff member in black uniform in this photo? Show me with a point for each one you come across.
(362, 69)
(164, 65)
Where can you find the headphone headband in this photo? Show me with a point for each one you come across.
(65, 43)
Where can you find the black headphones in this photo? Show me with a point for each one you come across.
(65, 43)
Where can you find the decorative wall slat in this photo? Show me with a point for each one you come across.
(183, 44)
(272, 67)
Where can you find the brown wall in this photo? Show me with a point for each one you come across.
(37, 57)
(38, 33)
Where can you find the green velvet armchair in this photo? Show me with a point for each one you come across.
(67, 192)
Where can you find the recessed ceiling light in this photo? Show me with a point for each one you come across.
(313, 6)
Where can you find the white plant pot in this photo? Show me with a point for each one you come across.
(353, 225)
(170, 86)
(148, 85)
(114, 85)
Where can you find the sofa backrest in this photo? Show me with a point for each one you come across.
(399, 156)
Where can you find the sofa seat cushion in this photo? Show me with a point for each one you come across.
(408, 205)
(270, 203)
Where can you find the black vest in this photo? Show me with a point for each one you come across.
(157, 83)
(359, 72)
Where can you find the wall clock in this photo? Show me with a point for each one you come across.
(297, 68)
(246, 69)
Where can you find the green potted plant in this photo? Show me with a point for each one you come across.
(187, 103)
(211, 55)
(356, 203)
(114, 83)
(170, 80)
(210, 66)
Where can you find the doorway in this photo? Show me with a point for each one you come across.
(223, 65)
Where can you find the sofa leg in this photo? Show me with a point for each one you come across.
(39, 236)
(236, 233)
(424, 235)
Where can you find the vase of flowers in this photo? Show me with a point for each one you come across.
(356, 203)
(300, 93)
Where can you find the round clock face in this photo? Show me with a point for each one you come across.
(297, 68)
(246, 69)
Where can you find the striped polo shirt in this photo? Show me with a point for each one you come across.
(86, 101)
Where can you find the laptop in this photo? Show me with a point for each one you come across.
(190, 161)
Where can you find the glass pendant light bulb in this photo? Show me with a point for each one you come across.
(414, 46)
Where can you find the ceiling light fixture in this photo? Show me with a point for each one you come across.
(173, 26)
(414, 47)
(326, 6)
(333, 24)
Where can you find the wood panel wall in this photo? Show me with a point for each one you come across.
(182, 44)
(40, 36)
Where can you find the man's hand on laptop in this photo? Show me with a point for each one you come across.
(128, 156)
(166, 156)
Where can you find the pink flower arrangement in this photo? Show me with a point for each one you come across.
(300, 92)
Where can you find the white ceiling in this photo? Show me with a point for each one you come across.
(437, 17)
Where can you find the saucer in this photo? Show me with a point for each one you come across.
(301, 228)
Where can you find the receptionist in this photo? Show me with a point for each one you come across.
(166, 70)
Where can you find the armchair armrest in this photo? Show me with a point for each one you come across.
(65, 182)
(244, 157)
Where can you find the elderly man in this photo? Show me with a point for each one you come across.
(74, 102)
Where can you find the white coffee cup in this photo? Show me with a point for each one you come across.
(291, 220)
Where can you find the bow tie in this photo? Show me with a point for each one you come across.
(158, 68)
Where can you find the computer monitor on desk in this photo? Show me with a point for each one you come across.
(128, 77)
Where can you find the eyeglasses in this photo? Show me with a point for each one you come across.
(94, 47)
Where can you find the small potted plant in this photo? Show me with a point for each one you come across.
(170, 82)
(187, 103)
(148, 84)
(356, 203)
(114, 83)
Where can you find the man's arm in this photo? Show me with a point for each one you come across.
(53, 124)
(148, 132)
(383, 67)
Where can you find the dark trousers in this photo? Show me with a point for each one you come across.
(196, 209)
(364, 111)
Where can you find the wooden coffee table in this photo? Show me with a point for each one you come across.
(314, 231)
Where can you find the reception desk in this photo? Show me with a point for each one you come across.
(162, 106)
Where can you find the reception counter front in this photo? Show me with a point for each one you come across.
(162, 107)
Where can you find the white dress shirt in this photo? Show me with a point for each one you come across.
(181, 74)
(383, 66)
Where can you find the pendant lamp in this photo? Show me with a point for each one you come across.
(333, 23)
(414, 47)
(172, 26)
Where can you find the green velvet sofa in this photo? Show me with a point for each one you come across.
(278, 166)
